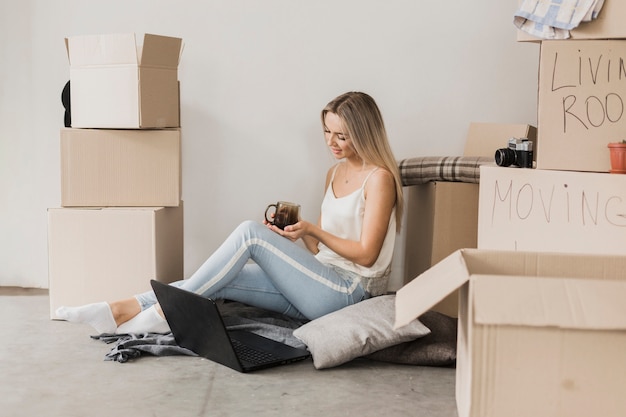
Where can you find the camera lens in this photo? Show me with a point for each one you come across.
(505, 157)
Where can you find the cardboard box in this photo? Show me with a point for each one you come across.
(582, 103)
(109, 254)
(539, 334)
(120, 84)
(443, 217)
(608, 25)
(484, 138)
(561, 211)
(101, 168)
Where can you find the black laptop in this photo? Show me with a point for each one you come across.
(197, 325)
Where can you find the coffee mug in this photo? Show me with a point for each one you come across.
(285, 213)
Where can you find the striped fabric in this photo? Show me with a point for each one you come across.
(421, 170)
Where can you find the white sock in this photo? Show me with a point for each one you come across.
(148, 321)
(97, 315)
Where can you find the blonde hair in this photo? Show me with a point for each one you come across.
(364, 125)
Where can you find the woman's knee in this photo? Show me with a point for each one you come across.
(250, 228)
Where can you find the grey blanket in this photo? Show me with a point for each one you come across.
(237, 316)
(436, 349)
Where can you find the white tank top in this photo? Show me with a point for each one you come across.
(343, 217)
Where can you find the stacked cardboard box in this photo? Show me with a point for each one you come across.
(582, 94)
(541, 311)
(569, 203)
(121, 218)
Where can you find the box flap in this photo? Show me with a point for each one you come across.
(484, 138)
(161, 51)
(549, 302)
(421, 294)
(114, 49)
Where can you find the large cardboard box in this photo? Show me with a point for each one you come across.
(107, 254)
(539, 334)
(608, 25)
(120, 82)
(107, 167)
(542, 210)
(582, 103)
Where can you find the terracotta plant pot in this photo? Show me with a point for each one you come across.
(618, 157)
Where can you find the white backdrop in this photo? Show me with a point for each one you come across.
(254, 76)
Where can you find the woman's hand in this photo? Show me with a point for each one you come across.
(292, 232)
(296, 231)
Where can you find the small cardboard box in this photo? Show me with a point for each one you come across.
(551, 211)
(581, 104)
(107, 254)
(117, 83)
(608, 25)
(106, 167)
(483, 139)
(539, 334)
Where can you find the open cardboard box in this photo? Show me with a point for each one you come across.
(540, 334)
(121, 82)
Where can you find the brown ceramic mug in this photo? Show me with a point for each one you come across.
(285, 213)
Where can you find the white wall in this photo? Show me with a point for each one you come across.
(254, 75)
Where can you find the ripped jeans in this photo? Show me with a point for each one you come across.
(283, 277)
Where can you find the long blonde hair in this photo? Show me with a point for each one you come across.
(364, 125)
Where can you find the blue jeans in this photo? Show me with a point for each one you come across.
(284, 277)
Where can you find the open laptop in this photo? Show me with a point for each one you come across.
(197, 325)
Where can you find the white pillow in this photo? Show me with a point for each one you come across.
(356, 331)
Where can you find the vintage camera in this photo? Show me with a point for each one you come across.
(519, 153)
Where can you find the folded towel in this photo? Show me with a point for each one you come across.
(553, 19)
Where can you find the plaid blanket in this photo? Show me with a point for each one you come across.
(421, 170)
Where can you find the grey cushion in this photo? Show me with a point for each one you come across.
(436, 349)
(355, 331)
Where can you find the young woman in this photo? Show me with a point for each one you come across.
(347, 253)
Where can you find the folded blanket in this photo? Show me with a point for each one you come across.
(131, 346)
(553, 19)
(421, 170)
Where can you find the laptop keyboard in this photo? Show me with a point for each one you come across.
(249, 354)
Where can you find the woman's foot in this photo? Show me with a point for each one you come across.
(97, 315)
(148, 321)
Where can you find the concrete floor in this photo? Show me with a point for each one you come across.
(53, 368)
